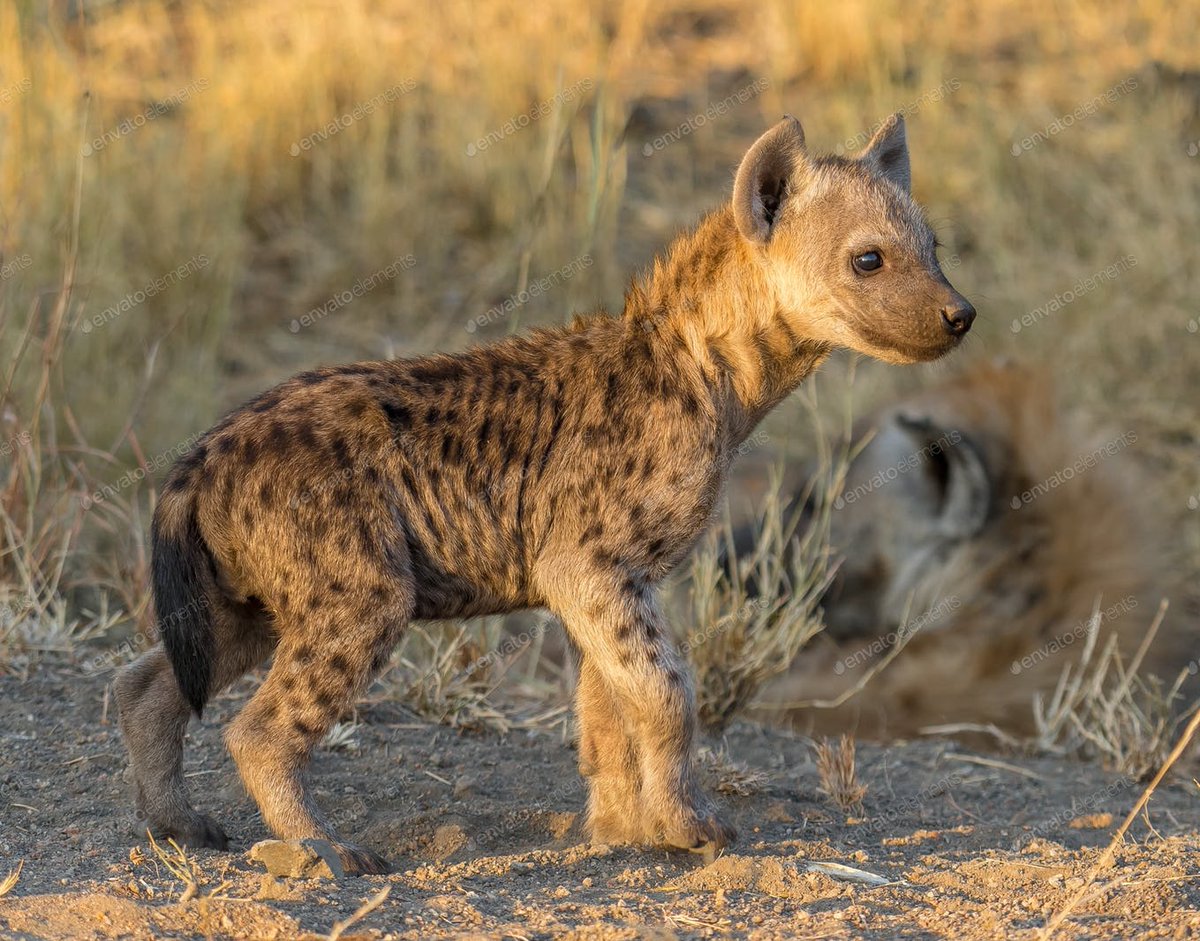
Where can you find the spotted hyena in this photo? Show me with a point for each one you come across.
(570, 468)
(989, 522)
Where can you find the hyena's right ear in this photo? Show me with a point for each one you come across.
(762, 179)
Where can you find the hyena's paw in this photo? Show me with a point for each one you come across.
(615, 828)
(614, 811)
(359, 861)
(700, 830)
(198, 831)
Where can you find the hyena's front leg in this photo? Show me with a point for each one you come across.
(628, 653)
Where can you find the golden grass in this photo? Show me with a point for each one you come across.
(837, 774)
(194, 203)
(748, 617)
(1104, 708)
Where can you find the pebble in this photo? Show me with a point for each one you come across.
(299, 859)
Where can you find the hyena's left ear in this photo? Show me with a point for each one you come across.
(763, 179)
(887, 153)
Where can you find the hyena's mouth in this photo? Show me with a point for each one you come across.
(921, 349)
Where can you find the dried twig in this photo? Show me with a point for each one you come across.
(1106, 857)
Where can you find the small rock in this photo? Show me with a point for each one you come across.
(272, 889)
(1092, 822)
(463, 786)
(448, 839)
(561, 892)
(299, 859)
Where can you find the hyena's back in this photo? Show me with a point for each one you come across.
(447, 475)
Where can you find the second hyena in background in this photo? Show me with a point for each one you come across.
(571, 468)
(994, 522)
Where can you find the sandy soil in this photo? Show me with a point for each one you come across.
(486, 838)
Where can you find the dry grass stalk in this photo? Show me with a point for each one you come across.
(1103, 708)
(837, 774)
(732, 777)
(445, 673)
(754, 614)
(41, 510)
(341, 927)
(176, 862)
(9, 882)
(342, 737)
(1106, 857)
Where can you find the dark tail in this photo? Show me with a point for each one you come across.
(181, 575)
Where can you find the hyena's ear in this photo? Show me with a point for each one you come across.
(887, 153)
(958, 472)
(763, 179)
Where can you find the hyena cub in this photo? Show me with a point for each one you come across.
(571, 468)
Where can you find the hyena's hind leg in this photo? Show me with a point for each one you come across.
(154, 716)
(325, 660)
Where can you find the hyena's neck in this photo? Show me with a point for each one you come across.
(710, 300)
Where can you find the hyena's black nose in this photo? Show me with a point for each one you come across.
(958, 316)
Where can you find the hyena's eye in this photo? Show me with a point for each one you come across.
(867, 262)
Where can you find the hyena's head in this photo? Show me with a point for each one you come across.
(848, 253)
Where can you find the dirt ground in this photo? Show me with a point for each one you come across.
(485, 834)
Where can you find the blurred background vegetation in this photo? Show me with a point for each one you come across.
(183, 183)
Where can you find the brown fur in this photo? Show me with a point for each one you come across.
(571, 468)
(1004, 593)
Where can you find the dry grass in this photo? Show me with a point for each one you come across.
(731, 777)
(838, 778)
(447, 673)
(753, 614)
(217, 94)
(9, 882)
(176, 861)
(1104, 708)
